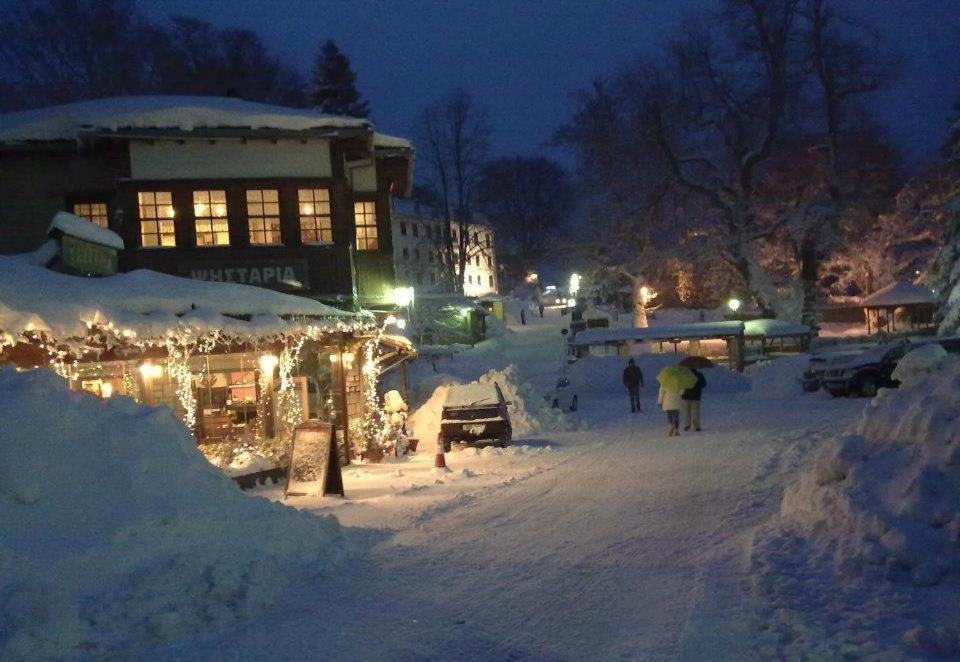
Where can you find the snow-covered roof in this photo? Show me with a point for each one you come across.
(695, 330)
(472, 395)
(81, 228)
(390, 142)
(183, 113)
(899, 294)
(148, 304)
(772, 328)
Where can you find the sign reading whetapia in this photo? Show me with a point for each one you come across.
(275, 274)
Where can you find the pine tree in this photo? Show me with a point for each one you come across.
(334, 84)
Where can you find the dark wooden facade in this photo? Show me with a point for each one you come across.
(38, 179)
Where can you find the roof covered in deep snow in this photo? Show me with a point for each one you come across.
(148, 304)
(180, 113)
(773, 328)
(899, 294)
(81, 228)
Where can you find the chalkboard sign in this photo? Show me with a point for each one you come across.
(314, 465)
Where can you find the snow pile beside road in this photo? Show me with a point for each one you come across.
(877, 516)
(778, 378)
(529, 412)
(115, 531)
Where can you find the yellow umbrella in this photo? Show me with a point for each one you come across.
(676, 379)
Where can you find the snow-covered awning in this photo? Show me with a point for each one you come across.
(773, 328)
(697, 330)
(81, 228)
(163, 112)
(899, 294)
(147, 305)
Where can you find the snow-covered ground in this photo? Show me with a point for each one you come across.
(593, 536)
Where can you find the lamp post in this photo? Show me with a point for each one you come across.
(734, 305)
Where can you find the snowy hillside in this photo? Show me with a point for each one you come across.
(115, 532)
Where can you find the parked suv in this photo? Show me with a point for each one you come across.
(475, 413)
(868, 372)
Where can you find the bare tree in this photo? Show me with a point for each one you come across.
(56, 51)
(454, 139)
(63, 50)
(528, 200)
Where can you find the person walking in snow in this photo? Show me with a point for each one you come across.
(633, 380)
(670, 401)
(691, 402)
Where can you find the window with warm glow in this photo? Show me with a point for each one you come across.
(365, 219)
(156, 219)
(95, 212)
(263, 216)
(210, 216)
(315, 224)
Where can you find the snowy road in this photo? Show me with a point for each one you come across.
(619, 544)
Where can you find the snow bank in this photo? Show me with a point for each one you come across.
(778, 378)
(529, 412)
(881, 507)
(115, 531)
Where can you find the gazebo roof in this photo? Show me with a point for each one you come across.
(900, 294)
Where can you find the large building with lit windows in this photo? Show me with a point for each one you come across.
(419, 251)
(213, 188)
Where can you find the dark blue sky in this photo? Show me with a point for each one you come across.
(524, 58)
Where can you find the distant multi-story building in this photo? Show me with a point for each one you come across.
(419, 251)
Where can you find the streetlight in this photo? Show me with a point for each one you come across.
(574, 284)
(733, 304)
(402, 296)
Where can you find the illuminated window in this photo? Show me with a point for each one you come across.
(210, 216)
(263, 216)
(156, 219)
(315, 224)
(95, 212)
(365, 219)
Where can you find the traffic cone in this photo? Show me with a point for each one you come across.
(441, 461)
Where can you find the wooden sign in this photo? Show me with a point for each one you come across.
(314, 464)
(87, 258)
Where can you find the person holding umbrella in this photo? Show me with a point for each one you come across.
(674, 380)
(691, 397)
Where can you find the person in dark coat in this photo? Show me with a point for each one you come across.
(633, 380)
(691, 402)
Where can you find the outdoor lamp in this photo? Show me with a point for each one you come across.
(149, 370)
(391, 319)
(402, 296)
(348, 358)
(571, 303)
(734, 304)
(401, 324)
(267, 363)
(574, 283)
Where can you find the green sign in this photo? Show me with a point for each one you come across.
(87, 258)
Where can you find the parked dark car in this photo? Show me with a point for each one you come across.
(868, 372)
(477, 414)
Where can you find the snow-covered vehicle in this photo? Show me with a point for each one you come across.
(563, 396)
(475, 413)
(864, 374)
